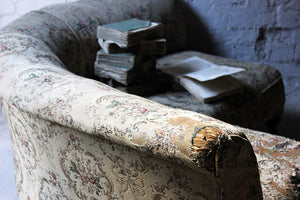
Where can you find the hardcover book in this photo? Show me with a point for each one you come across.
(147, 84)
(128, 60)
(148, 47)
(153, 47)
(130, 32)
(121, 74)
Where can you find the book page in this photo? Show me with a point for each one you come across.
(199, 69)
(213, 72)
(205, 80)
(209, 91)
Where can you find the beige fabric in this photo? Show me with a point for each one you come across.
(278, 160)
(56, 162)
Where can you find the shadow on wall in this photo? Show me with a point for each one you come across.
(289, 125)
(198, 37)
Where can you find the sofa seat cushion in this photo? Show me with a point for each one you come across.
(251, 108)
(279, 164)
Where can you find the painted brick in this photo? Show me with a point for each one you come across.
(291, 74)
(265, 31)
(288, 17)
(245, 53)
(297, 54)
(279, 46)
(277, 54)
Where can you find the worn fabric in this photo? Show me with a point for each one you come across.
(278, 160)
(251, 108)
(56, 162)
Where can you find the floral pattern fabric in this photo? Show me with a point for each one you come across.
(278, 160)
(74, 165)
(77, 138)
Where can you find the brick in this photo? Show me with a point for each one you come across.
(297, 54)
(280, 52)
(288, 17)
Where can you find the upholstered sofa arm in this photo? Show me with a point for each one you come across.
(56, 95)
(207, 145)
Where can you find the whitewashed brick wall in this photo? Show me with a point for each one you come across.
(264, 31)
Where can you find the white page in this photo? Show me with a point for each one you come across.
(199, 69)
(186, 66)
(210, 91)
(213, 72)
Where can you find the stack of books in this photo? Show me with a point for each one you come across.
(128, 49)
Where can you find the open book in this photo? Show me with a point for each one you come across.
(203, 79)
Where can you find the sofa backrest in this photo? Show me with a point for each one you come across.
(70, 29)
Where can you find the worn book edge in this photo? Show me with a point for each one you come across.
(148, 47)
(203, 79)
(210, 91)
(128, 25)
(120, 59)
(130, 38)
(121, 74)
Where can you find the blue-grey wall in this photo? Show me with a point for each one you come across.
(263, 31)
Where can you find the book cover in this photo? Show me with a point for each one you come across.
(121, 74)
(129, 60)
(128, 25)
(153, 47)
(129, 33)
(109, 46)
(148, 47)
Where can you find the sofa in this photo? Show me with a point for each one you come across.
(74, 137)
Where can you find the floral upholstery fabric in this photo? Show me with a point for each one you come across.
(57, 162)
(278, 160)
(77, 138)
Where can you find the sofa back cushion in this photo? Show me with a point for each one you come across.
(82, 18)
